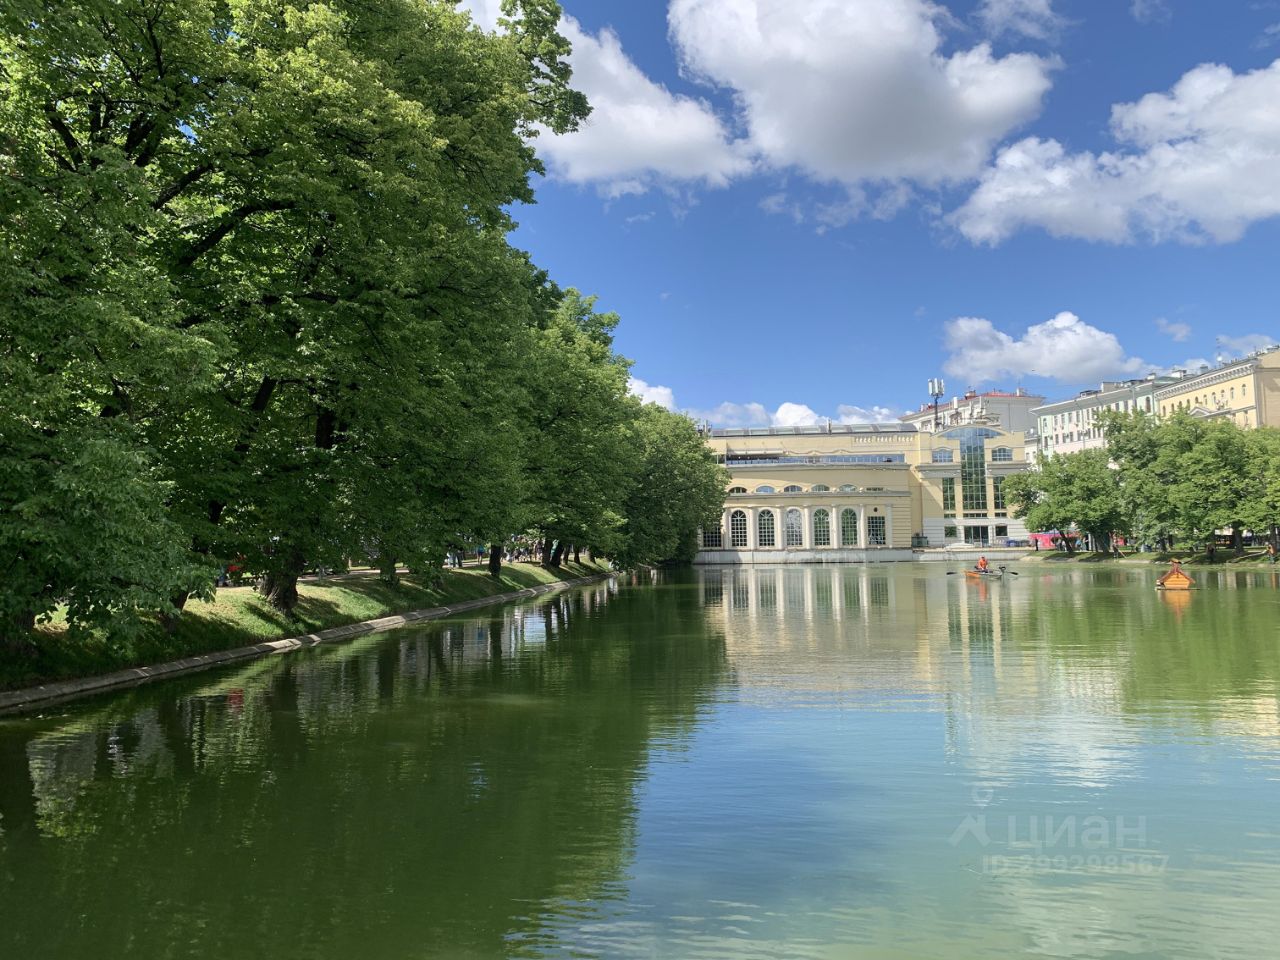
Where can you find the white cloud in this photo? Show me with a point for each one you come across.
(790, 415)
(662, 396)
(639, 133)
(1249, 343)
(1150, 11)
(1202, 163)
(1269, 37)
(1030, 18)
(1064, 348)
(847, 413)
(848, 92)
(484, 13)
(1178, 332)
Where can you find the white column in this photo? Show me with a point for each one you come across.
(751, 527)
(888, 526)
(726, 534)
(862, 527)
(806, 527)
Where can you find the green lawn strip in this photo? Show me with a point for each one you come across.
(1223, 557)
(238, 617)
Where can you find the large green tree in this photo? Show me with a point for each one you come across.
(676, 488)
(229, 227)
(578, 453)
(1077, 490)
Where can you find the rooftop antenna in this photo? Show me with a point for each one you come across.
(937, 388)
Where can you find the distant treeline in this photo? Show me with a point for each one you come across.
(1161, 482)
(258, 307)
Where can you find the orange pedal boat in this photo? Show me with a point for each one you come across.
(1175, 579)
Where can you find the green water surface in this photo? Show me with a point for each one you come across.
(865, 762)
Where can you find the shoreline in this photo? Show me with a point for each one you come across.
(46, 694)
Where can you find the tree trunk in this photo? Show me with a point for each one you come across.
(557, 555)
(577, 553)
(280, 585)
(280, 589)
(495, 559)
(546, 551)
(1237, 539)
(387, 568)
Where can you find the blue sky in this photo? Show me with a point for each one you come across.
(806, 208)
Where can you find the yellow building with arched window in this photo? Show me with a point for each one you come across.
(1245, 391)
(858, 492)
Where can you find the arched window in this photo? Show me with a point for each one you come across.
(793, 488)
(738, 490)
(819, 488)
(848, 528)
(712, 538)
(942, 456)
(1002, 453)
(821, 528)
(764, 529)
(848, 488)
(765, 489)
(794, 528)
(738, 529)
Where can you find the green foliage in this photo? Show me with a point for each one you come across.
(258, 305)
(1185, 478)
(1069, 491)
(678, 486)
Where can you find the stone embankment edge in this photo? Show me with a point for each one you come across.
(29, 698)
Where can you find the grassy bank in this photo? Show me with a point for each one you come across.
(238, 616)
(1223, 557)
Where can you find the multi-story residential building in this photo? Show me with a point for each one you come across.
(857, 492)
(1066, 426)
(994, 408)
(1246, 391)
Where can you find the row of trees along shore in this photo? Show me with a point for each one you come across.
(1164, 482)
(258, 304)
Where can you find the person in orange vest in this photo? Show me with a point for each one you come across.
(982, 564)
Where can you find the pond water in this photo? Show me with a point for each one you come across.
(831, 762)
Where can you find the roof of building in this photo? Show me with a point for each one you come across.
(1105, 395)
(1019, 394)
(1205, 375)
(817, 429)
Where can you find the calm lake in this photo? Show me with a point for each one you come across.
(833, 762)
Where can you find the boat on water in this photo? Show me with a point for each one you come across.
(995, 574)
(1175, 579)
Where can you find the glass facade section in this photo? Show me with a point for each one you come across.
(794, 528)
(1002, 455)
(738, 529)
(876, 528)
(973, 467)
(848, 528)
(712, 538)
(997, 495)
(942, 456)
(949, 496)
(821, 528)
(765, 529)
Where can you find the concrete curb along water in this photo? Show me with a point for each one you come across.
(14, 701)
